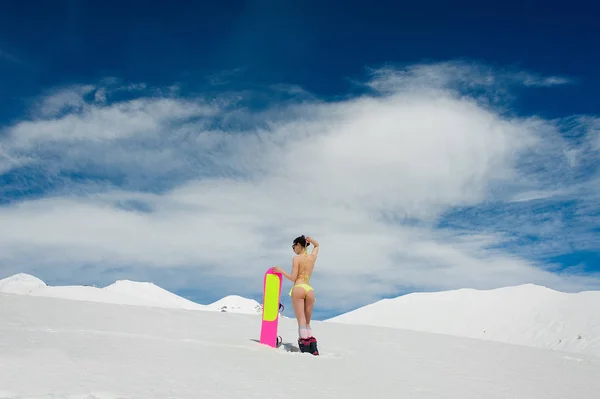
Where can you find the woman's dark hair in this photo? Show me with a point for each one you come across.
(300, 240)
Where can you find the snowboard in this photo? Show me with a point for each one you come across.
(270, 309)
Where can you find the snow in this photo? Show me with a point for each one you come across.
(236, 304)
(526, 315)
(21, 284)
(123, 292)
(151, 294)
(56, 348)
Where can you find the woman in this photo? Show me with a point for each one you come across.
(302, 294)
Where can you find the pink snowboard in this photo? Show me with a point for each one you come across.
(270, 314)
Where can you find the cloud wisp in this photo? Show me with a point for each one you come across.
(213, 189)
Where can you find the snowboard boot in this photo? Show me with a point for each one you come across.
(312, 346)
(303, 345)
(308, 345)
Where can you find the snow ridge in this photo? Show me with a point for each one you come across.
(527, 314)
(21, 284)
(124, 292)
(236, 304)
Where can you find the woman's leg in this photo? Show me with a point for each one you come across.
(298, 304)
(309, 303)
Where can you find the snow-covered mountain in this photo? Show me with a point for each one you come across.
(53, 348)
(124, 292)
(527, 315)
(236, 304)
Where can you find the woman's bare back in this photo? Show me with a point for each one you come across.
(306, 264)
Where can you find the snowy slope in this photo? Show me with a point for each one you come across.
(150, 293)
(52, 348)
(123, 292)
(21, 284)
(526, 315)
(236, 304)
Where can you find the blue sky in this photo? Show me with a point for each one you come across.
(426, 146)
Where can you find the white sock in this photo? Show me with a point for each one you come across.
(303, 332)
(309, 331)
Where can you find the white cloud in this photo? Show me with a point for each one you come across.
(369, 177)
(7, 161)
(70, 99)
(455, 74)
(94, 123)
